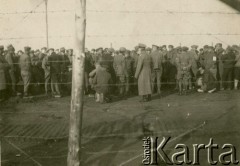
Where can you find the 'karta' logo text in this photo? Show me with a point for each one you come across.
(153, 150)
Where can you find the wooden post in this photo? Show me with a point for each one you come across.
(46, 19)
(76, 113)
(0, 151)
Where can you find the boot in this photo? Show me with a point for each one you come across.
(235, 84)
(97, 97)
(101, 98)
(149, 98)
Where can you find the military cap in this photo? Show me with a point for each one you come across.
(111, 50)
(44, 48)
(100, 48)
(184, 48)
(170, 46)
(136, 47)
(206, 46)
(50, 49)
(140, 45)
(37, 50)
(235, 46)
(9, 46)
(32, 51)
(179, 48)
(122, 49)
(211, 47)
(164, 46)
(128, 52)
(219, 44)
(62, 49)
(155, 46)
(194, 46)
(20, 51)
(229, 48)
(1, 47)
(148, 49)
(27, 48)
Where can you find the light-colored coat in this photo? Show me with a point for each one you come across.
(143, 74)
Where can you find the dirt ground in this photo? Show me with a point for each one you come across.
(35, 131)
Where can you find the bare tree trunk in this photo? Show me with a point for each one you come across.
(76, 113)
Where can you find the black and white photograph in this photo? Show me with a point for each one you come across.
(119, 82)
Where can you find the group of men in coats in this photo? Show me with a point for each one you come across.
(123, 72)
(39, 70)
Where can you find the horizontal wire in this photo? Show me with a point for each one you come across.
(61, 83)
(124, 11)
(130, 35)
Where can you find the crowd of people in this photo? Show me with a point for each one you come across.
(122, 72)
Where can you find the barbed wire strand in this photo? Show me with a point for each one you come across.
(130, 35)
(26, 16)
(22, 151)
(123, 11)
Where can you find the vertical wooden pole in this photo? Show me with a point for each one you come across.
(76, 113)
(46, 15)
(0, 151)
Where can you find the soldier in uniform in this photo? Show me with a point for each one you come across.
(89, 66)
(36, 71)
(228, 60)
(210, 61)
(55, 70)
(64, 63)
(165, 65)
(3, 82)
(219, 51)
(135, 56)
(171, 66)
(26, 68)
(148, 50)
(129, 71)
(236, 67)
(119, 66)
(183, 69)
(157, 69)
(194, 64)
(46, 68)
(70, 54)
(143, 74)
(11, 72)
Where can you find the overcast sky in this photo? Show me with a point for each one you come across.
(120, 28)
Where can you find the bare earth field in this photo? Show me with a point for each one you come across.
(35, 131)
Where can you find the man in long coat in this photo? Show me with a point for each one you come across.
(219, 53)
(25, 66)
(135, 56)
(143, 74)
(172, 69)
(11, 72)
(194, 63)
(3, 81)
